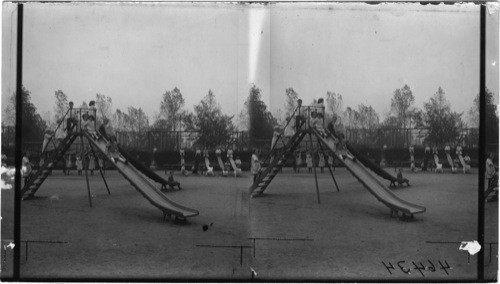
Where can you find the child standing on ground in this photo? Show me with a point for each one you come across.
(182, 153)
(330, 161)
(100, 162)
(79, 165)
(237, 162)
(255, 164)
(321, 162)
(69, 164)
(309, 162)
(298, 161)
(26, 166)
(91, 164)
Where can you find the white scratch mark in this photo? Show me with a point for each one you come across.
(253, 271)
(472, 247)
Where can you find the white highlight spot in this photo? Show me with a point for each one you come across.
(10, 246)
(9, 173)
(472, 247)
(493, 63)
(253, 271)
(256, 19)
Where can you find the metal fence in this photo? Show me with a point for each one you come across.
(402, 138)
(164, 140)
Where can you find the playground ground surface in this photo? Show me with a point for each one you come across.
(283, 235)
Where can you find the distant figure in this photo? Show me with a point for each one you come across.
(197, 157)
(91, 164)
(400, 176)
(276, 135)
(427, 153)
(72, 120)
(467, 160)
(102, 164)
(227, 167)
(230, 153)
(298, 161)
(309, 162)
(79, 165)
(69, 164)
(456, 164)
(490, 167)
(90, 127)
(314, 119)
(255, 164)
(60, 133)
(93, 110)
(413, 168)
(182, 152)
(237, 162)
(330, 161)
(26, 166)
(172, 182)
(321, 162)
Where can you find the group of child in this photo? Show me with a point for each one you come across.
(310, 161)
(91, 164)
(206, 155)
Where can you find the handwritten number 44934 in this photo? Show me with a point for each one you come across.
(407, 267)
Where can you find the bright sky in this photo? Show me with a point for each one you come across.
(135, 52)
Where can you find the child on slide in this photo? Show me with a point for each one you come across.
(340, 144)
(172, 182)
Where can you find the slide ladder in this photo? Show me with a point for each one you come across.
(36, 179)
(221, 164)
(280, 155)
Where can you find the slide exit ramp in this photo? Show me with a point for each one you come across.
(371, 182)
(146, 187)
(376, 168)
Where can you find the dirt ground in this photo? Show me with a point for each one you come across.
(285, 234)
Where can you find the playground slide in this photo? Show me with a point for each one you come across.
(146, 187)
(450, 160)
(143, 169)
(237, 171)
(439, 166)
(436, 159)
(371, 182)
(210, 170)
(376, 168)
(466, 168)
(221, 164)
